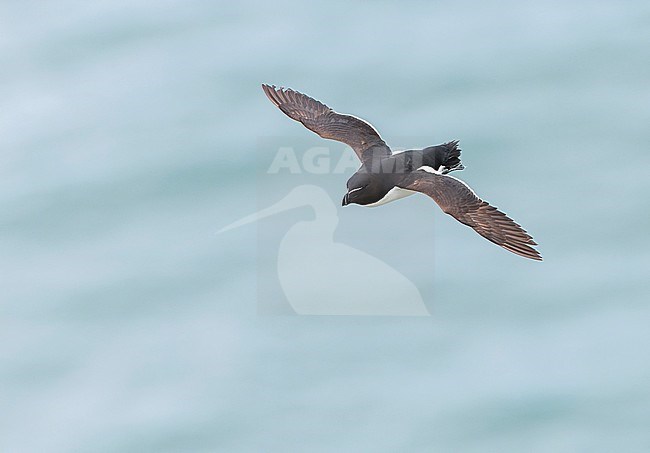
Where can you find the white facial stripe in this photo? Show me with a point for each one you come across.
(354, 190)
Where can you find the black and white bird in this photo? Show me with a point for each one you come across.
(385, 176)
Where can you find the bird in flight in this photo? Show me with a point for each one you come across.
(385, 176)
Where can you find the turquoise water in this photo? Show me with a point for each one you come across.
(132, 131)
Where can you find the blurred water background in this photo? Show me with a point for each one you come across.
(131, 131)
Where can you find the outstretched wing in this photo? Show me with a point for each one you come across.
(317, 117)
(457, 199)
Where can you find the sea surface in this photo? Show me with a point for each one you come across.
(132, 132)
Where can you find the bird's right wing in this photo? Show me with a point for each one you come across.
(327, 123)
(458, 200)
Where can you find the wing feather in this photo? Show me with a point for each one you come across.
(319, 118)
(458, 200)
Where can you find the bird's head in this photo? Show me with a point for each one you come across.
(358, 192)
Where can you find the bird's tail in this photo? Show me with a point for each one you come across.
(446, 155)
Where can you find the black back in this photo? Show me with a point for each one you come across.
(379, 174)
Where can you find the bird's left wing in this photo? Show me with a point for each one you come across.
(317, 117)
(458, 200)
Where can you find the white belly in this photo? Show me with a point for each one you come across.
(393, 194)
